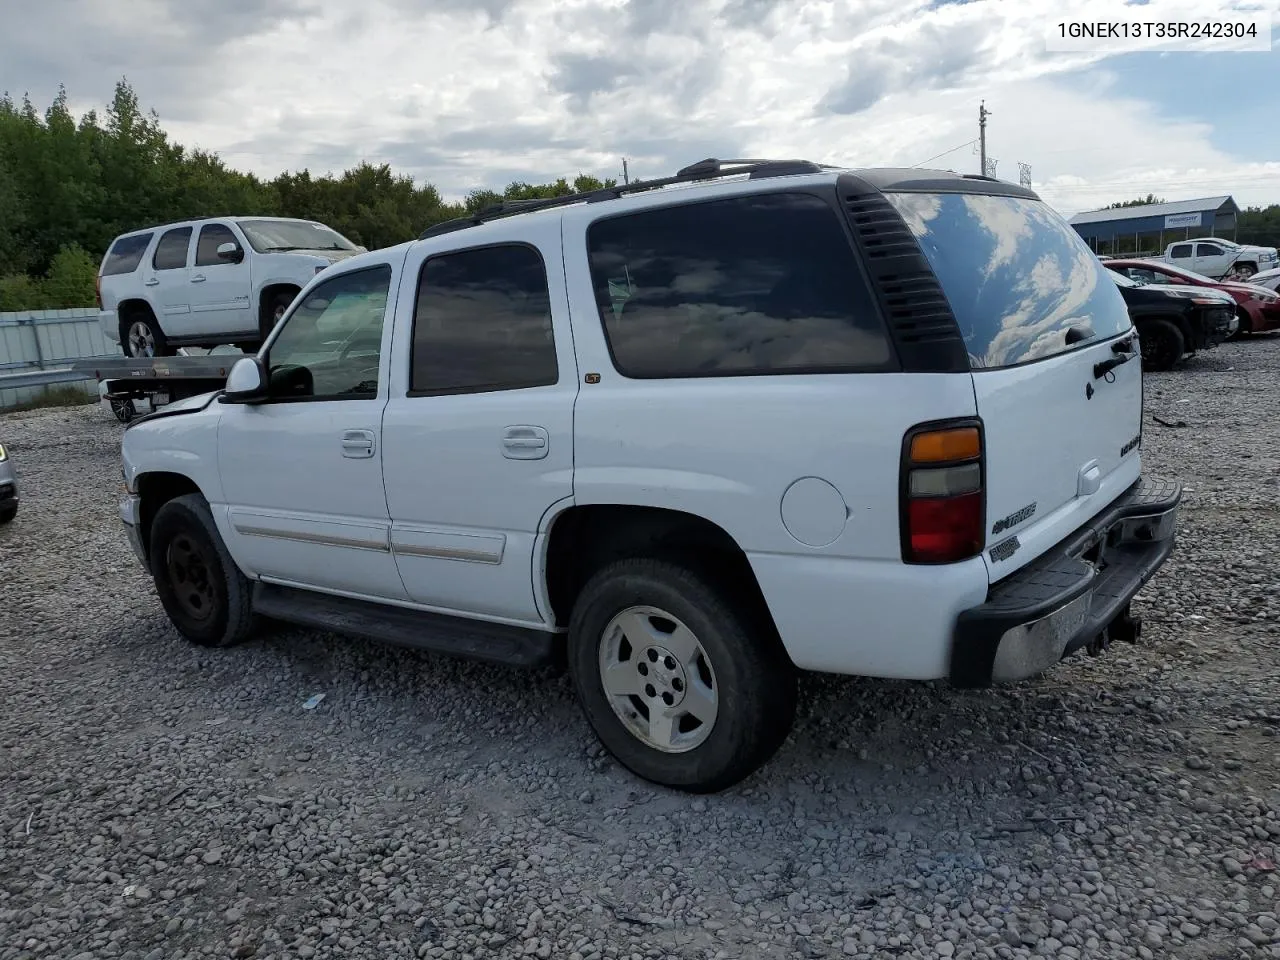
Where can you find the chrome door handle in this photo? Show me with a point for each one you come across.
(357, 444)
(153, 282)
(525, 443)
(198, 278)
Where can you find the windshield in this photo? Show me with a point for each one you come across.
(1016, 274)
(266, 236)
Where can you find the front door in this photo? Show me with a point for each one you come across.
(168, 281)
(1211, 260)
(302, 472)
(478, 433)
(220, 287)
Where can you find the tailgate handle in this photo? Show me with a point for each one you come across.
(1100, 370)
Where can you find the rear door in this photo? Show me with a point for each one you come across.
(168, 283)
(1039, 315)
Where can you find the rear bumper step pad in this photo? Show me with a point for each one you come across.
(1074, 595)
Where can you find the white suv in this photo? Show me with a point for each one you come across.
(695, 435)
(209, 282)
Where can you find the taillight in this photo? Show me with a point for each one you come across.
(97, 290)
(943, 500)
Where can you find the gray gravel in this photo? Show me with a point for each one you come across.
(158, 801)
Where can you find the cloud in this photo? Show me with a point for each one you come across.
(465, 93)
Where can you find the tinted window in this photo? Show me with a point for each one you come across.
(330, 346)
(749, 285)
(1016, 274)
(1208, 250)
(125, 254)
(483, 322)
(212, 236)
(171, 251)
(1180, 250)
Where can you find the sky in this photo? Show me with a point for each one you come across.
(478, 93)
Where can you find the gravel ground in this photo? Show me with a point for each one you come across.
(158, 801)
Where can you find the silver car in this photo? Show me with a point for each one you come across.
(8, 488)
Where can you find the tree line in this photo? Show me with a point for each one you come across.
(68, 187)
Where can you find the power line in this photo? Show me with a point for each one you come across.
(967, 143)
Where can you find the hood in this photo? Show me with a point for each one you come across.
(1190, 290)
(178, 407)
(1239, 286)
(333, 256)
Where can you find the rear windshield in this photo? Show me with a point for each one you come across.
(1018, 277)
(125, 254)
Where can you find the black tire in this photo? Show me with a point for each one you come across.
(1162, 344)
(135, 326)
(207, 598)
(7, 513)
(754, 681)
(273, 310)
(123, 409)
(1246, 270)
(1245, 326)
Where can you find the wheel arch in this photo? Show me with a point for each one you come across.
(584, 537)
(130, 307)
(156, 488)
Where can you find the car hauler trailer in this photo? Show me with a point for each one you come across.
(158, 380)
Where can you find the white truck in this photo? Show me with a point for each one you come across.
(1217, 258)
(209, 282)
(692, 435)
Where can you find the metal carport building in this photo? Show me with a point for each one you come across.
(1149, 228)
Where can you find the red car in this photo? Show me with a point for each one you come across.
(1258, 307)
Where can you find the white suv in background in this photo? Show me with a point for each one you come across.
(209, 282)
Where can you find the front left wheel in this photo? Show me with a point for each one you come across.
(7, 513)
(202, 590)
(681, 683)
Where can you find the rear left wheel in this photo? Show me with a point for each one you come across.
(202, 590)
(680, 684)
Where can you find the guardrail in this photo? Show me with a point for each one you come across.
(38, 347)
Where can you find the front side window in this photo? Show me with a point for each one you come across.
(330, 346)
(212, 236)
(1179, 251)
(171, 251)
(279, 236)
(125, 254)
(1208, 250)
(483, 322)
(761, 284)
(1016, 274)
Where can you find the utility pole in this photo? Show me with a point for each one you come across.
(983, 113)
(625, 176)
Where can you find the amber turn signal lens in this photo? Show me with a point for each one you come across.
(944, 446)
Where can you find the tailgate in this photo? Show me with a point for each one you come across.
(1060, 445)
(1038, 313)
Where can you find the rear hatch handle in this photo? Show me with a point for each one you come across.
(1124, 352)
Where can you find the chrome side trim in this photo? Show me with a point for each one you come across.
(440, 545)
(349, 535)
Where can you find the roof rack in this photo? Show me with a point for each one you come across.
(708, 169)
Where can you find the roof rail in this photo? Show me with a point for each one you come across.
(708, 169)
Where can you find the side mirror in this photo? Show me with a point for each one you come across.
(230, 252)
(247, 381)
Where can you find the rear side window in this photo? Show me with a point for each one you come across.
(763, 284)
(482, 322)
(1180, 250)
(1017, 276)
(212, 236)
(171, 251)
(125, 254)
